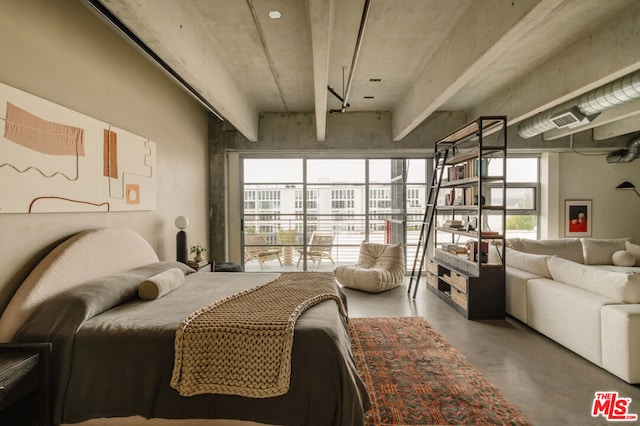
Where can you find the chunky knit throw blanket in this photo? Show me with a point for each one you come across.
(241, 345)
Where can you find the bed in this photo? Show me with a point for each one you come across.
(113, 353)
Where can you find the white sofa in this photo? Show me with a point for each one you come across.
(582, 293)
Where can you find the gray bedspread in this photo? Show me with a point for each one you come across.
(113, 355)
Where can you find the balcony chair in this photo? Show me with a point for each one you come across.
(380, 268)
(255, 247)
(319, 248)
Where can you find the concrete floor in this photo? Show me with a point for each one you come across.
(550, 384)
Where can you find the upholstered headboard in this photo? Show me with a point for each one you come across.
(85, 256)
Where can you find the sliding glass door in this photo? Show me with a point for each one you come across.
(313, 213)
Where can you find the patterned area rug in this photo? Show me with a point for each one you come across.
(415, 377)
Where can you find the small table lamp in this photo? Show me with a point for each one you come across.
(181, 239)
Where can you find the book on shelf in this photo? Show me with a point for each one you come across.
(489, 233)
(469, 169)
(458, 172)
(469, 193)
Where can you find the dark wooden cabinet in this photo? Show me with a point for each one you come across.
(25, 384)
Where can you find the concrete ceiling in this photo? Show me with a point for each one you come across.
(507, 57)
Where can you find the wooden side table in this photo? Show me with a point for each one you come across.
(25, 384)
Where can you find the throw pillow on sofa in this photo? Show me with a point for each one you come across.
(599, 251)
(634, 249)
(623, 258)
(621, 286)
(566, 248)
(534, 263)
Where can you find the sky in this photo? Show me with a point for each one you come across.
(275, 170)
(325, 171)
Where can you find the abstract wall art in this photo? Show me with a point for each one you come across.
(53, 159)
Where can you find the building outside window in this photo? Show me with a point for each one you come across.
(523, 193)
(378, 200)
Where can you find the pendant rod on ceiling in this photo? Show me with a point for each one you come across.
(356, 53)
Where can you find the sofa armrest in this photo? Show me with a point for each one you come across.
(621, 340)
(516, 292)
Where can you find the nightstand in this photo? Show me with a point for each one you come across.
(24, 384)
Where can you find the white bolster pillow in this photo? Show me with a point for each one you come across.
(160, 284)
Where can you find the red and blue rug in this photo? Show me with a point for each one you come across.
(415, 377)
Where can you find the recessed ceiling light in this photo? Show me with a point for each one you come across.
(275, 14)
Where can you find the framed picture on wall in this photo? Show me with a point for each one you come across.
(577, 218)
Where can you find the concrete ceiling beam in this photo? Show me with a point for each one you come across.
(321, 19)
(173, 34)
(621, 127)
(483, 33)
(586, 65)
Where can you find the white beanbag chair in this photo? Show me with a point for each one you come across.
(380, 267)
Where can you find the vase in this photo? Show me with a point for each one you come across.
(198, 257)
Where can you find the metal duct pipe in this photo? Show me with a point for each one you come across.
(626, 155)
(356, 53)
(620, 91)
(617, 92)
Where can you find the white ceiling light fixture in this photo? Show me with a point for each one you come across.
(275, 14)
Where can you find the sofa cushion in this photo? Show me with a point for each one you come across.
(534, 263)
(514, 243)
(623, 258)
(566, 248)
(568, 315)
(599, 251)
(614, 268)
(634, 249)
(495, 252)
(623, 287)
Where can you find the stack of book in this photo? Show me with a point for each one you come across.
(197, 265)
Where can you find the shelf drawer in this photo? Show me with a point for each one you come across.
(432, 267)
(432, 280)
(459, 281)
(459, 297)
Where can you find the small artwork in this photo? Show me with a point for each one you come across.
(578, 218)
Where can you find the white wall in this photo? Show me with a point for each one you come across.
(58, 50)
(614, 213)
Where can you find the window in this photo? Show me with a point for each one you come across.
(249, 200)
(378, 200)
(522, 194)
(351, 199)
(342, 200)
(268, 200)
(413, 197)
